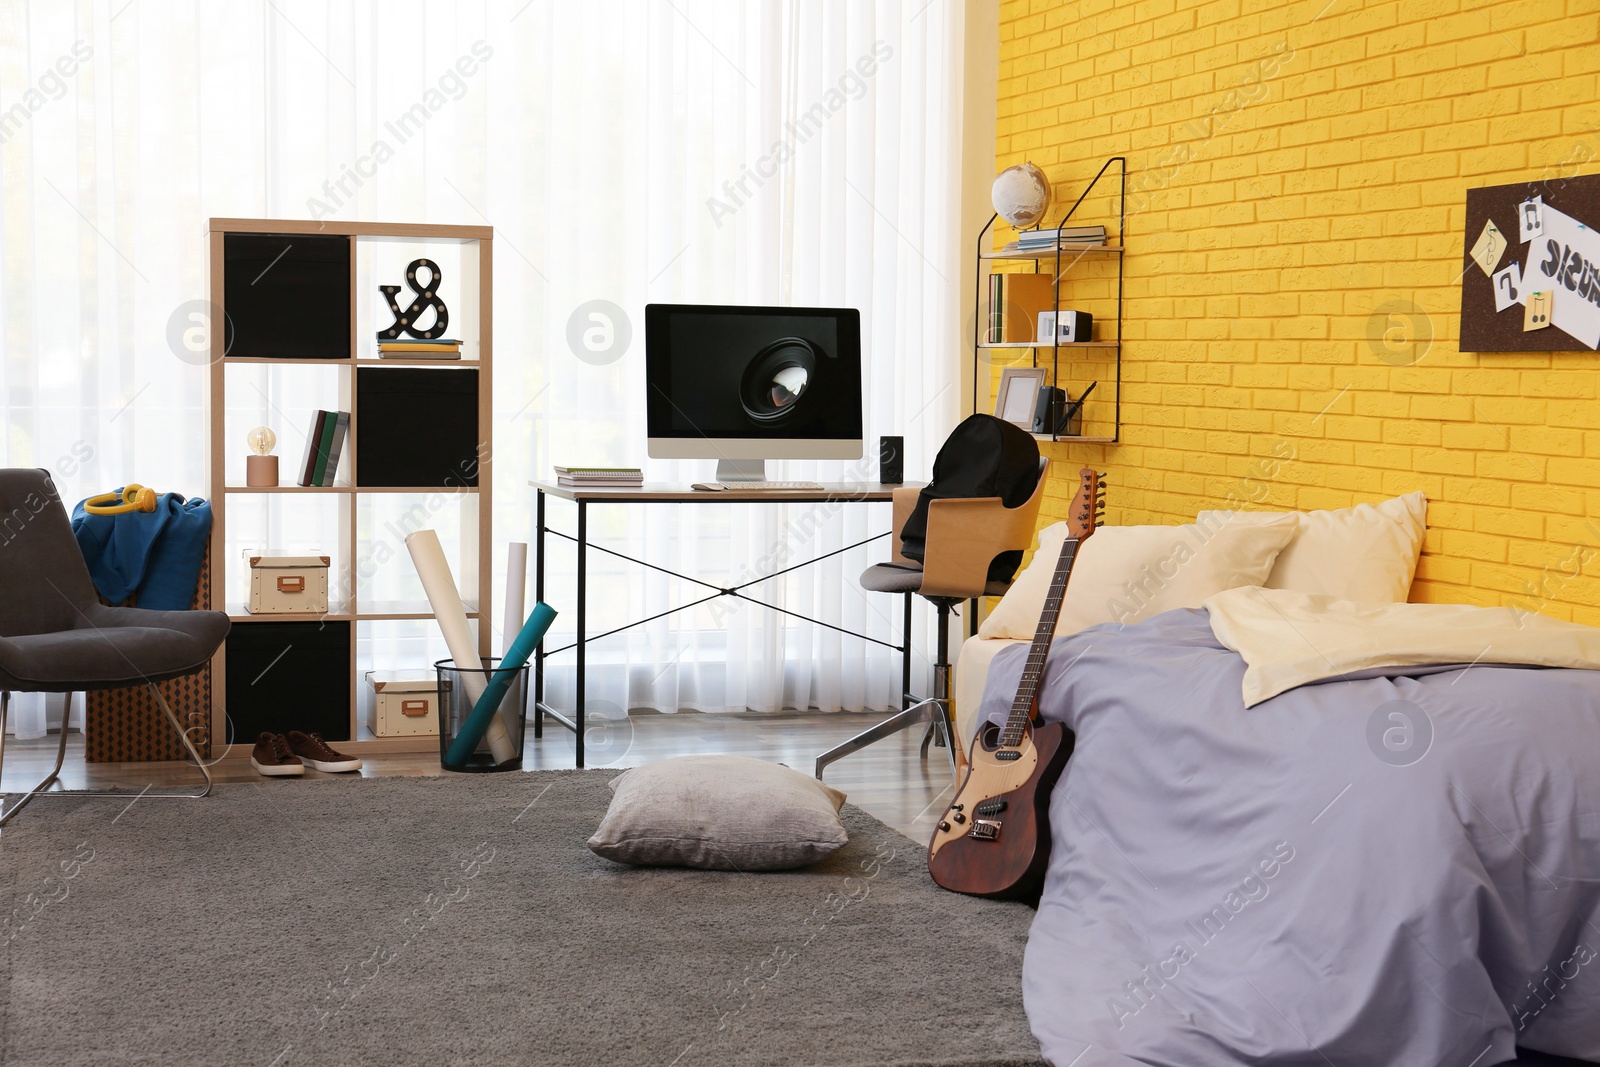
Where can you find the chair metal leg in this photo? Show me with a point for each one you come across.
(941, 685)
(930, 711)
(61, 755)
(5, 705)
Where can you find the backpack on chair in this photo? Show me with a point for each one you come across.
(984, 456)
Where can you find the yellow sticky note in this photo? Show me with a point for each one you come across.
(1491, 244)
(1537, 315)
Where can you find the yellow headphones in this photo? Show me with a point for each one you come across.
(132, 498)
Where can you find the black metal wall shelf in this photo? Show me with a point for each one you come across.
(1063, 257)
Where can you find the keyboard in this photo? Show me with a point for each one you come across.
(765, 487)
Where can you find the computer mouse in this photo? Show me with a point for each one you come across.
(709, 487)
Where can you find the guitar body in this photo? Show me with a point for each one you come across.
(994, 841)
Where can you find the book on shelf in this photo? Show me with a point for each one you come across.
(997, 318)
(308, 461)
(1015, 301)
(1066, 235)
(1066, 248)
(324, 444)
(341, 431)
(412, 348)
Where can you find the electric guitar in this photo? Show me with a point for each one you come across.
(994, 840)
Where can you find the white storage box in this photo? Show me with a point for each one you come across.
(284, 585)
(404, 703)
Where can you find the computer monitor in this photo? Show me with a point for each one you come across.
(743, 385)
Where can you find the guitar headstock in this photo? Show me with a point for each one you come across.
(1088, 508)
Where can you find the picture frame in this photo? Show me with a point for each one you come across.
(1018, 394)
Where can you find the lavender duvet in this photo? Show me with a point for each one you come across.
(1395, 867)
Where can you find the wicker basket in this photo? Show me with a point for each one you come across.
(127, 726)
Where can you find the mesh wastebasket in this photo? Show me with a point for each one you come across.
(459, 690)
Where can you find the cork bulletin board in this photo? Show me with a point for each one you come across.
(1532, 267)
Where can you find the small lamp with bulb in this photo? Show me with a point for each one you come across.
(261, 469)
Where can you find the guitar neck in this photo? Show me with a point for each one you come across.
(1027, 701)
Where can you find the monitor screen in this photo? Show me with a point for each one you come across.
(727, 382)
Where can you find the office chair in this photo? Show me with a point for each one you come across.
(56, 636)
(964, 535)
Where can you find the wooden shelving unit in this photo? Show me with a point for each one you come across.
(1061, 260)
(351, 604)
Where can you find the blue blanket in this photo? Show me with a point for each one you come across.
(151, 557)
(1402, 869)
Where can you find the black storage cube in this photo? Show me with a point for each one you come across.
(286, 676)
(287, 296)
(416, 426)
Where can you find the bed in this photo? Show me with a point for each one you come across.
(1341, 830)
(1400, 865)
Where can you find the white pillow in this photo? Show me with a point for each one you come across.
(1127, 573)
(1367, 553)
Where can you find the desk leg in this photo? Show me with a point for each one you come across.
(905, 658)
(538, 598)
(583, 619)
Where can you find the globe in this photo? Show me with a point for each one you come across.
(1021, 194)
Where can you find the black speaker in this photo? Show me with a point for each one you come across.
(891, 460)
(1049, 402)
(1074, 327)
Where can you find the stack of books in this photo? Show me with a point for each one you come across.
(593, 477)
(1067, 236)
(324, 446)
(411, 348)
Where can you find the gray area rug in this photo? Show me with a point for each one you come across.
(461, 920)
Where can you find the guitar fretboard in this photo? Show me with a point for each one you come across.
(1039, 651)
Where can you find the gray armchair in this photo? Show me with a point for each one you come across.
(56, 636)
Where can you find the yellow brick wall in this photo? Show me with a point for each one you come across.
(1297, 183)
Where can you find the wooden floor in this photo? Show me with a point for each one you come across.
(888, 779)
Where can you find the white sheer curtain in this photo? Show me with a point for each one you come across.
(630, 152)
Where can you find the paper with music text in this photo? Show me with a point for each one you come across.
(1565, 259)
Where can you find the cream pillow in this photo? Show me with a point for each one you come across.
(720, 813)
(1367, 553)
(1127, 573)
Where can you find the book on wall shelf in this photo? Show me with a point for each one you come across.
(1068, 238)
(324, 448)
(1015, 301)
(1091, 234)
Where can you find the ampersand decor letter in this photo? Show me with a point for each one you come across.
(427, 296)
